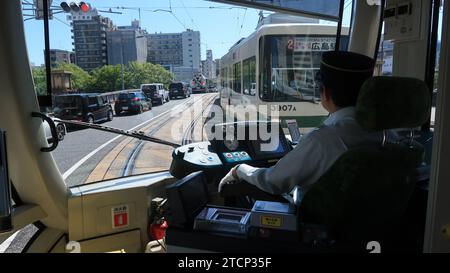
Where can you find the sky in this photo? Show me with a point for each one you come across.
(219, 28)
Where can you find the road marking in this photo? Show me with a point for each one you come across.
(7, 242)
(84, 159)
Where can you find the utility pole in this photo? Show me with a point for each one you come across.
(121, 61)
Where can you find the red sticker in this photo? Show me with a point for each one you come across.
(120, 216)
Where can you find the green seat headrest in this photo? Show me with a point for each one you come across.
(393, 102)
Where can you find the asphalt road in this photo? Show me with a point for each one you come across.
(79, 143)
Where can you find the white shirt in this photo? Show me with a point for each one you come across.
(313, 156)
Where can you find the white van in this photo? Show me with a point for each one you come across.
(156, 92)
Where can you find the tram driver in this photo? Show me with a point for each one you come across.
(340, 77)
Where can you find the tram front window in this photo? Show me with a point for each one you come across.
(289, 66)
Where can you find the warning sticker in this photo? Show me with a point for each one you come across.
(271, 221)
(120, 216)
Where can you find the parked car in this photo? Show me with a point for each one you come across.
(179, 89)
(61, 130)
(87, 107)
(136, 102)
(156, 92)
(212, 89)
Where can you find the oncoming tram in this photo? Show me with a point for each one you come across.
(275, 67)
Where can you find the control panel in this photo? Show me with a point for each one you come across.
(219, 155)
(236, 157)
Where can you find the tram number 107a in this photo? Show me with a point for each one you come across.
(283, 107)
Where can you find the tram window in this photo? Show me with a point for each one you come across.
(385, 56)
(436, 69)
(231, 78)
(237, 77)
(249, 75)
(289, 65)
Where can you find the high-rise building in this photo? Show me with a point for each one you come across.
(60, 56)
(191, 48)
(127, 44)
(179, 51)
(89, 38)
(209, 66)
(165, 49)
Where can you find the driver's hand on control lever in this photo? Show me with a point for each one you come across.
(230, 178)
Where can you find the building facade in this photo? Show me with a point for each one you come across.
(60, 56)
(191, 48)
(180, 52)
(127, 44)
(165, 49)
(89, 39)
(209, 66)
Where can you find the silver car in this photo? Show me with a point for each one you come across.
(61, 130)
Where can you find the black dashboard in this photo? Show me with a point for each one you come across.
(255, 143)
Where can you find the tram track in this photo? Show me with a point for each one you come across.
(188, 136)
(121, 161)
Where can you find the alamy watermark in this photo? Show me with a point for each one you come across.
(219, 123)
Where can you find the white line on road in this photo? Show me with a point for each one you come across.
(7, 242)
(84, 159)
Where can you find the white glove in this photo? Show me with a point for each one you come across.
(227, 179)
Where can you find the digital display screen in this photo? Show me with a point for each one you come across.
(402, 10)
(390, 12)
(228, 217)
(186, 198)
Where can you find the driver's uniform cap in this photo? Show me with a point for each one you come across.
(343, 70)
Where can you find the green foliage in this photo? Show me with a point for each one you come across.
(80, 78)
(107, 78)
(139, 73)
(39, 78)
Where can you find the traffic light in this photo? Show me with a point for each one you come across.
(75, 7)
(65, 7)
(84, 7)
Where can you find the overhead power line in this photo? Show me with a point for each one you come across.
(189, 15)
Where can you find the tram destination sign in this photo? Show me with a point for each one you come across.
(314, 44)
(326, 9)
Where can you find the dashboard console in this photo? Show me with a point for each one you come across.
(257, 143)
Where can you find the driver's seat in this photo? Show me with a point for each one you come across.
(363, 196)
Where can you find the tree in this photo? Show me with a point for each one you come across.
(80, 78)
(106, 78)
(40, 80)
(140, 73)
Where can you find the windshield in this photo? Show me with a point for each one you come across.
(176, 86)
(125, 96)
(117, 51)
(288, 72)
(66, 102)
(147, 88)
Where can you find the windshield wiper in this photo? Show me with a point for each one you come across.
(136, 134)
